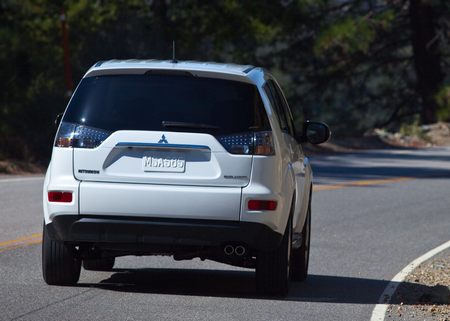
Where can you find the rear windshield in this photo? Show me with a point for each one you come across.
(144, 102)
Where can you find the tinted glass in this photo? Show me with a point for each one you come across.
(285, 107)
(143, 102)
(276, 104)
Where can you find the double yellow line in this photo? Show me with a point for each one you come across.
(36, 238)
(368, 182)
(31, 239)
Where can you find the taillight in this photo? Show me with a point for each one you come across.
(60, 196)
(263, 144)
(258, 143)
(81, 136)
(262, 205)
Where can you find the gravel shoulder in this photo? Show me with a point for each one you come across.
(425, 294)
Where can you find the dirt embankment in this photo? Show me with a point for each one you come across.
(17, 167)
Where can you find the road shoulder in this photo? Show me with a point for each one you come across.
(425, 293)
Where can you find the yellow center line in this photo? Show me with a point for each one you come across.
(23, 241)
(20, 239)
(36, 238)
(18, 246)
(368, 182)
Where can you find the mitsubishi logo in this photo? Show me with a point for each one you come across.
(163, 140)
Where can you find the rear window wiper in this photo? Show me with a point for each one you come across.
(180, 124)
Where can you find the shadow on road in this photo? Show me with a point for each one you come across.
(408, 154)
(241, 284)
(433, 163)
(350, 172)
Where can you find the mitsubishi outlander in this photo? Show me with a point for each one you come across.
(185, 159)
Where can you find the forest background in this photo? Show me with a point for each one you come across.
(357, 65)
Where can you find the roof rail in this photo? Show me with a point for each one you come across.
(99, 63)
(249, 69)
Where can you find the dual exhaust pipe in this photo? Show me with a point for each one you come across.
(238, 250)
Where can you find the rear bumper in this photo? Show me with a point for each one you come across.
(165, 232)
(153, 200)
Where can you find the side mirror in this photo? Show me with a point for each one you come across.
(316, 132)
(58, 119)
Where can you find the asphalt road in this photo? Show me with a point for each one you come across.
(373, 213)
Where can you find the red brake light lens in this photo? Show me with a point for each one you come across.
(60, 197)
(262, 205)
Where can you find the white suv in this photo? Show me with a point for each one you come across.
(186, 159)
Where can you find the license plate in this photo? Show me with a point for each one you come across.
(163, 163)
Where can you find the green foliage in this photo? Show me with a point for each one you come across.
(348, 36)
(412, 129)
(350, 63)
(29, 59)
(443, 101)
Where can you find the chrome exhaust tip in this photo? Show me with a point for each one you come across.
(239, 250)
(228, 250)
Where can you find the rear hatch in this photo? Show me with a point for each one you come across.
(167, 129)
(186, 159)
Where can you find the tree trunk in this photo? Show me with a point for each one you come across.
(425, 45)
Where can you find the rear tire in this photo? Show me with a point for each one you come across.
(273, 267)
(103, 264)
(59, 264)
(300, 256)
